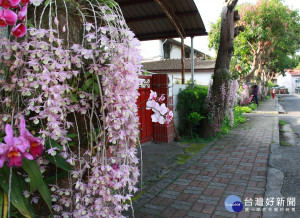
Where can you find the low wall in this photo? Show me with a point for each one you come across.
(176, 89)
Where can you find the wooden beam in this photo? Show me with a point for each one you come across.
(208, 70)
(133, 2)
(182, 61)
(172, 17)
(160, 16)
(172, 34)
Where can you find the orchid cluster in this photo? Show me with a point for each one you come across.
(92, 86)
(16, 148)
(113, 169)
(225, 103)
(88, 89)
(244, 94)
(12, 12)
(161, 114)
(233, 86)
(40, 80)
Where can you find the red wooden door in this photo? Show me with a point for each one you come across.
(161, 85)
(146, 126)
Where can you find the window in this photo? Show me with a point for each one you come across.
(187, 53)
(297, 82)
(167, 50)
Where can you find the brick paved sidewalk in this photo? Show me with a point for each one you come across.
(234, 165)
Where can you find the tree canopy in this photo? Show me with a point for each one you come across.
(268, 42)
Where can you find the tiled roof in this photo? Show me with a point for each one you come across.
(186, 47)
(293, 71)
(175, 64)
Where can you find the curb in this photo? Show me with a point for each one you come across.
(264, 112)
(274, 176)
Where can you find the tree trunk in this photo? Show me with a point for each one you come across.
(216, 104)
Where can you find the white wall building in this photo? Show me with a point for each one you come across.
(291, 80)
(203, 69)
(167, 49)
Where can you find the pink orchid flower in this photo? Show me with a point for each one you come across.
(153, 95)
(163, 109)
(151, 104)
(3, 153)
(9, 3)
(36, 147)
(19, 30)
(161, 99)
(15, 149)
(169, 117)
(115, 166)
(22, 13)
(25, 2)
(7, 17)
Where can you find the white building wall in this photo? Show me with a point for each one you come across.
(202, 78)
(175, 52)
(286, 81)
(294, 85)
(151, 50)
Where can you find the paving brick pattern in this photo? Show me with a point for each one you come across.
(234, 165)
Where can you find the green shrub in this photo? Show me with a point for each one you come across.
(194, 118)
(270, 84)
(191, 108)
(245, 109)
(253, 106)
(238, 119)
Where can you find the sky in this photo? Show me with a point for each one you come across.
(210, 11)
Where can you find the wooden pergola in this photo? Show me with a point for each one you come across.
(161, 19)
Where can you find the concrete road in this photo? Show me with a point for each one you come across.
(287, 158)
(291, 104)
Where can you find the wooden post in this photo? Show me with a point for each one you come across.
(192, 60)
(182, 61)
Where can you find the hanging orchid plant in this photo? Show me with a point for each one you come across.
(78, 94)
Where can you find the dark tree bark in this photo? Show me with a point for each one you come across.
(216, 104)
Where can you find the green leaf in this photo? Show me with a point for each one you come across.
(22, 204)
(89, 82)
(45, 193)
(36, 179)
(51, 179)
(74, 99)
(1, 202)
(53, 144)
(72, 136)
(96, 88)
(72, 144)
(59, 161)
(84, 87)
